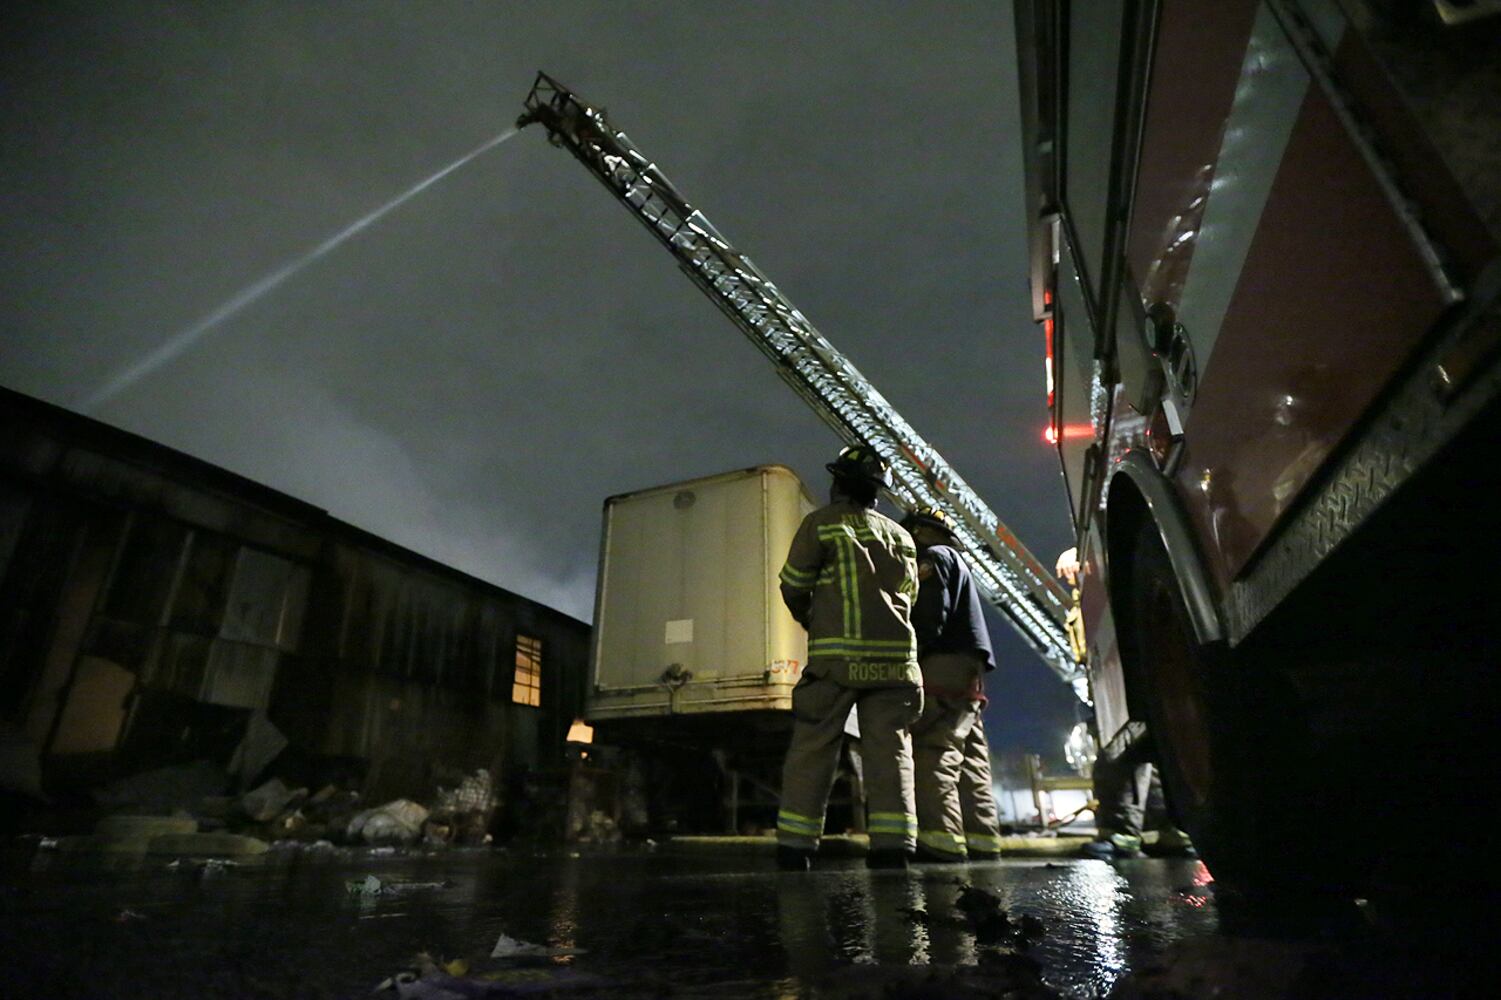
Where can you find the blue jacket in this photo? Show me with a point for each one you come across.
(949, 616)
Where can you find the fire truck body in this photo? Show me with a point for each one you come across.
(1264, 250)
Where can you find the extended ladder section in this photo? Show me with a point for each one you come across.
(1010, 577)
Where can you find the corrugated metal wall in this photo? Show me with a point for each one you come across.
(138, 585)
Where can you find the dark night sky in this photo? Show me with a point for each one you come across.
(471, 376)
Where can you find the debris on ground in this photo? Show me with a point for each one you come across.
(144, 827)
(397, 822)
(992, 924)
(462, 814)
(208, 844)
(128, 916)
(270, 800)
(205, 865)
(439, 985)
(165, 789)
(129, 834)
(436, 979)
(373, 886)
(261, 744)
(987, 918)
(509, 947)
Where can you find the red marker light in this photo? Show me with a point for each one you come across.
(1070, 432)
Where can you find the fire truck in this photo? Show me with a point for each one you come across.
(1264, 256)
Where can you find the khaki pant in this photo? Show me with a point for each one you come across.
(819, 708)
(982, 820)
(950, 709)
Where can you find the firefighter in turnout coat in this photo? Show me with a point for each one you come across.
(851, 579)
(956, 814)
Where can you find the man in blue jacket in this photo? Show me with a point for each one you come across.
(954, 652)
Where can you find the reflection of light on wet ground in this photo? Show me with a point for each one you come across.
(722, 927)
(1094, 891)
(563, 921)
(916, 900)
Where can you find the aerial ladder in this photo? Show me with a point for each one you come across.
(1009, 576)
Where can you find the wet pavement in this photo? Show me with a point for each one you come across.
(650, 923)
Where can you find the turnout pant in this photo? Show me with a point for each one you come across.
(950, 709)
(982, 820)
(1121, 787)
(819, 708)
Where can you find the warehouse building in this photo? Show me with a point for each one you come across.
(152, 606)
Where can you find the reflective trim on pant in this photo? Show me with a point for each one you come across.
(903, 825)
(941, 841)
(886, 749)
(798, 831)
(819, 708)
(987, 842)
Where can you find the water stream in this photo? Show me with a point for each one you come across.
(182, 341)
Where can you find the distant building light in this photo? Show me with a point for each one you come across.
(580, 732)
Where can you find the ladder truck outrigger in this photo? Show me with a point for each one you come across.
(1011, 578)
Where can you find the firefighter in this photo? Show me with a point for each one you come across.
(1123, 784)
(948, 741)
(982, 818)
(850, 579)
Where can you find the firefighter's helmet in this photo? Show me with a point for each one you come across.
(859, 463)
(929, 517)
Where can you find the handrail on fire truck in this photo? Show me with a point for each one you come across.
(1009, 576)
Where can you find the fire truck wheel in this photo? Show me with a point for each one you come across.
(1220, 737)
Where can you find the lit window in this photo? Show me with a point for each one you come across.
(526, 689)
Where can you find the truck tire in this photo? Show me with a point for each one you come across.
(1227, 737)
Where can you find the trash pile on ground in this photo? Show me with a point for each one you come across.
(268, 792)
(513, 968)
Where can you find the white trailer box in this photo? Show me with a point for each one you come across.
(688, 618)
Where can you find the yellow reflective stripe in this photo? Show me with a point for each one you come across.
(893, 823)
(983, 841)
(833, 647)
(794, 823)
(875, 645)
(941, 840)
(796, 577)
(791, 839)
(851, 588)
